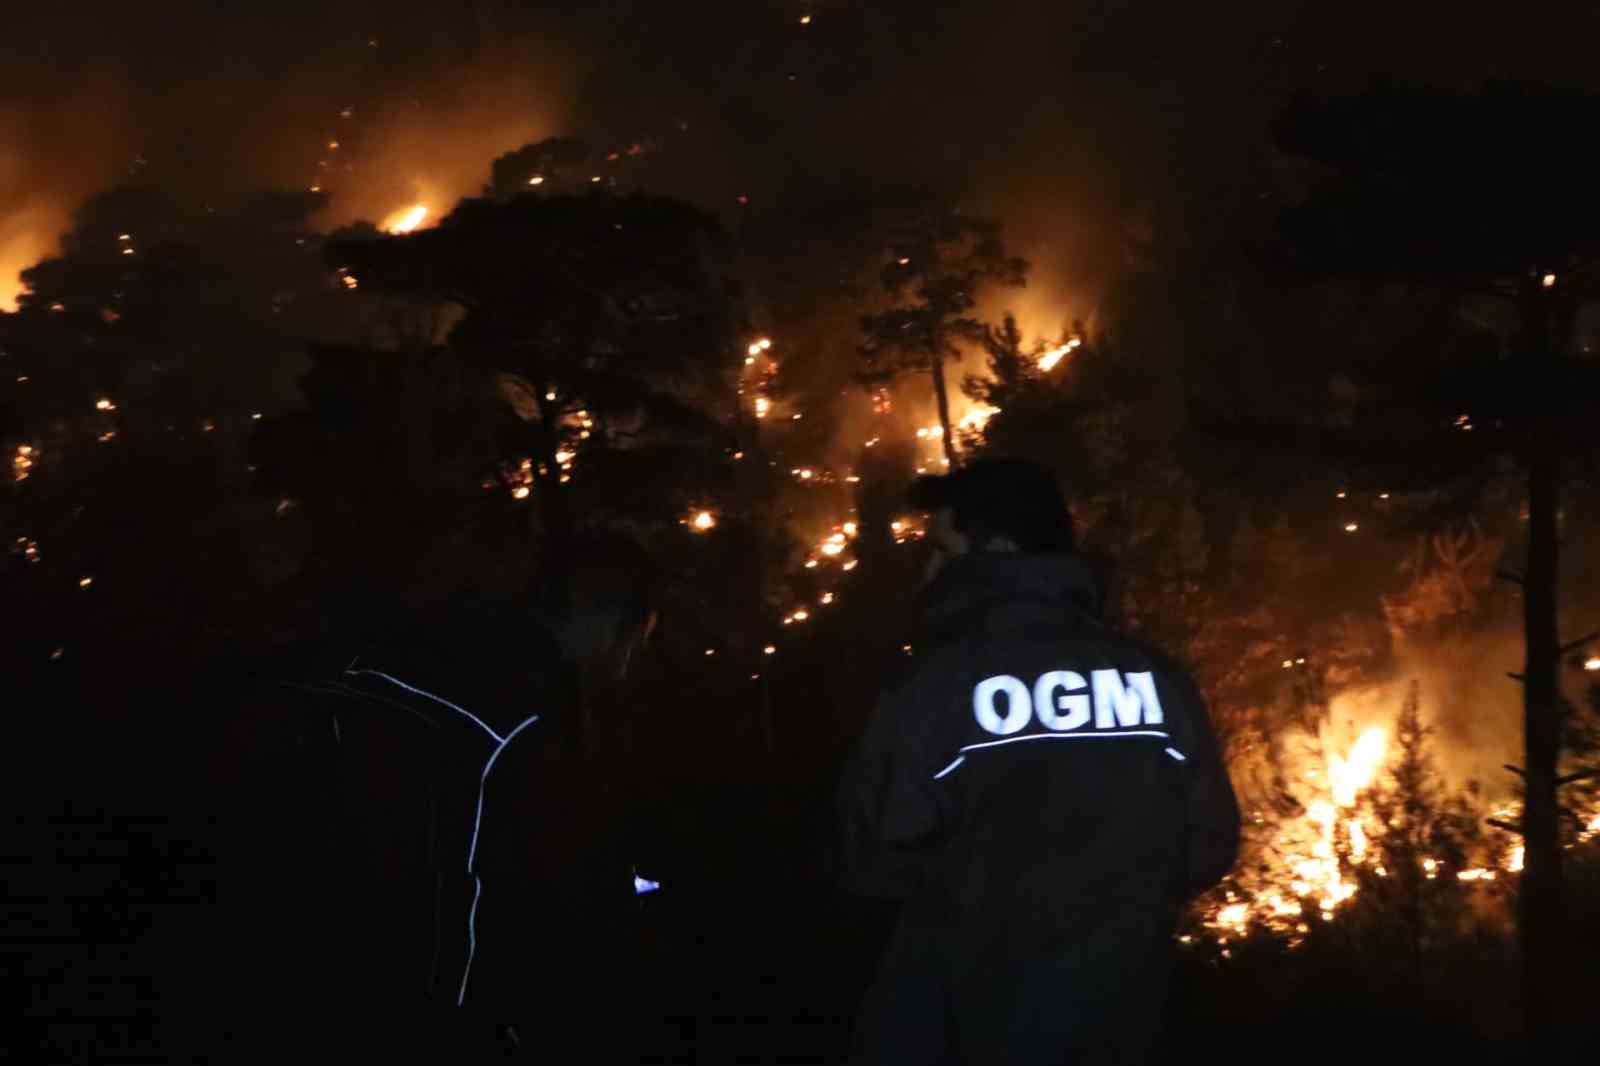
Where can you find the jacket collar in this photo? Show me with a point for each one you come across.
(1006, 590)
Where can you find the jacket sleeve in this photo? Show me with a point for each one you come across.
(1212, 825)
(890, 818)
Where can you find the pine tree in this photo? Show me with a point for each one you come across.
(944, 259)
(1425, 835)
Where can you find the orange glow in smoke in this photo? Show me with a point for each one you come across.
(405, 220)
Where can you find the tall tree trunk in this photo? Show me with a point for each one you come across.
(941, 397)
(1539, 900)
(1539, 903)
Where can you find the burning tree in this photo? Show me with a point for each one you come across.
(141, 361)
(944, 258)
(1427, 843)
(608, 322)
(1481, 196)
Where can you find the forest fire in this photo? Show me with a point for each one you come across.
(1341, 822)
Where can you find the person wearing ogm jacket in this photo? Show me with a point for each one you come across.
(1043, 793)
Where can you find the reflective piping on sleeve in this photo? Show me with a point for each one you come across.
(1176, 754)
(428, 695)
(959, 760)
(472, 939)
(472, 859)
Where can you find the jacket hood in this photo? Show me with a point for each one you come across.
(1006, 590)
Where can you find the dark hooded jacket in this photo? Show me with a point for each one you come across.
(424, 814)
(1038, 787)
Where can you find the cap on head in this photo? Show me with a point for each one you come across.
(1012, 498)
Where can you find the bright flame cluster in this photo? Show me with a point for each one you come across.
(1311, 871)
(1047, 360)
(405, 220)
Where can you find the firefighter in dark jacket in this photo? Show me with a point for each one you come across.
(1043, 793)
(439, 828)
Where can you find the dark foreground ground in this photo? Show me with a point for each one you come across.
(133, 933)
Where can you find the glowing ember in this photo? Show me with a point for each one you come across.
(22, 462)
(763, 405)
(405, 220)
(1549, 281)
(520, 492)
(905, 529)
(1351, 527)
(703, 521)
(770, 649)
(1592, 663)
(104, 404)
(85, 582)
(537, 179)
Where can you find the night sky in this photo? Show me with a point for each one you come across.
(1083, 124)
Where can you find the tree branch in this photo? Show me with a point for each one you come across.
(1516, 770)
(1515, 677)
(1507, 575)
(1507, 826)
(1574, 645)
(1578, 775)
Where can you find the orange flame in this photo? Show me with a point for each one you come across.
(405, 220)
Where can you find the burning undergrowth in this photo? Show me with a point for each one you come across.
(1381, 798)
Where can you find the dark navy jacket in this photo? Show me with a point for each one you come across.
(1037, 785)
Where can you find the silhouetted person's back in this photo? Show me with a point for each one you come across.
(461, 844)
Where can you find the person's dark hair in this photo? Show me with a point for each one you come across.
(1012, 498)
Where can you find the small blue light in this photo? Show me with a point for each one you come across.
(641, 886)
